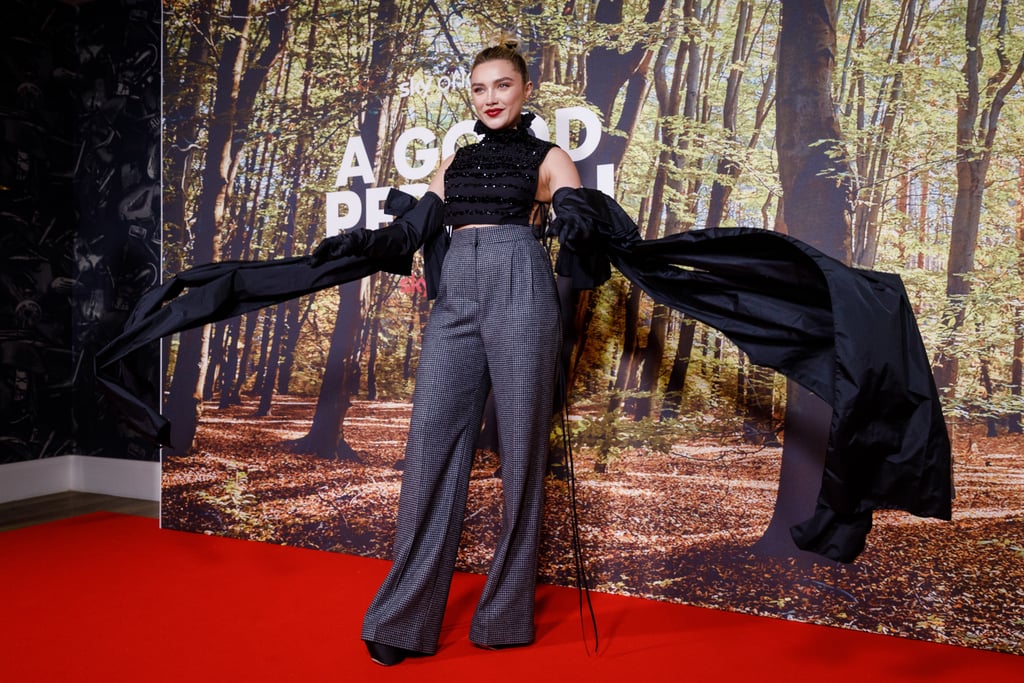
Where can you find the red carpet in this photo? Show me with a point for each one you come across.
(107, 597)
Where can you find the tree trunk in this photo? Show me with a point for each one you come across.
(759, 407)
(228, 389)
(674, 390)
(325, 438)
(374, 334)
(816, 204)
(244, 363)
(684, 93)
(816, 211)
(867, 217)
(215, 360)
(262, 362)
(975, 133)
(236, 88)
(421, 309)
(183, 123)
(585, 306)
(624, 376)
(1014, 422)
(236, 365)
(238, 245)
(298, 174)
(183, 402)
(727, 166)
(654, 353)
(272, 360)
(268, 165)
(923, 221)
(608, 70)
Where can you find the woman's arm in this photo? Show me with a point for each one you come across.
(403, 236)
(556, 171)
(437, 182)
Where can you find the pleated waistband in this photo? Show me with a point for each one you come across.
(492, 234)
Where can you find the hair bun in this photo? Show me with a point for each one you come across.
(504, 48)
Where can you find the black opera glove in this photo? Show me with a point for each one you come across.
(573, 231)
(351, 243)
(415, 223)
(578, 211)
(582, 224)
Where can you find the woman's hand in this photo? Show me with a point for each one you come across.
(350, 243)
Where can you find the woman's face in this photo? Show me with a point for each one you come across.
(498, 93)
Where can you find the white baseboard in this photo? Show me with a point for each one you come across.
(110, 476)
(32, 478)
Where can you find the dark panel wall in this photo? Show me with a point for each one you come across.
(79, 215)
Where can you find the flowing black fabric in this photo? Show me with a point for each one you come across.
(205, 294)
(847, 335)
(217, 291)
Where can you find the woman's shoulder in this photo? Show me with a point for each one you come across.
(557, 158)
(557, 171)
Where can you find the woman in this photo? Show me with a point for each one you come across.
(494, 327)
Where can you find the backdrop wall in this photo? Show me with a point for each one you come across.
(288, 121)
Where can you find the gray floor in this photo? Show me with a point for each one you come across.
(22, 513)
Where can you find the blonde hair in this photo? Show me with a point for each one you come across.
(507, 49)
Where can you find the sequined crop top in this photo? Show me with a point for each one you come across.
(494, 181)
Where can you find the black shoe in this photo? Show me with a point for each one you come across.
(389, 655)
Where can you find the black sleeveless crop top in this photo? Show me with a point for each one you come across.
(494, 181)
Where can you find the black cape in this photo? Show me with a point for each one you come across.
(847, 335)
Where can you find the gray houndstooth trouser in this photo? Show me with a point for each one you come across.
(494, 326)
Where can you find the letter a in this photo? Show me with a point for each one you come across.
(356, 162)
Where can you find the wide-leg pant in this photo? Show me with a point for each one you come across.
(495, 325)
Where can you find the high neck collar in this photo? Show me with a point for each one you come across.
(522, 129)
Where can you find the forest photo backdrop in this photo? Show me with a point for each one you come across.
(887, 134)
